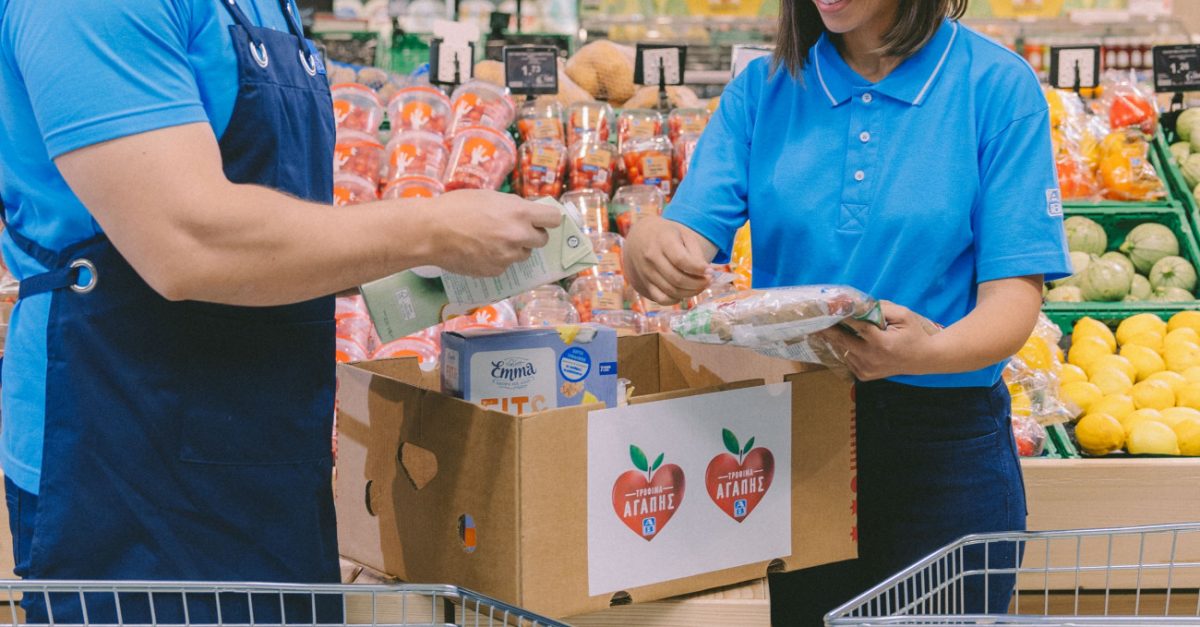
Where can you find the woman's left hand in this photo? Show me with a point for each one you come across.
(904, 348)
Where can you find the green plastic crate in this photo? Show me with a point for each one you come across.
(1117, 223)
(1064, 446)
(1162, 171)
(1180, 191)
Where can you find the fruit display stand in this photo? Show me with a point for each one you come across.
(1160, 167)
(1179, 189)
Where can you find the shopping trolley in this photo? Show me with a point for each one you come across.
(1124, 576)
(203, 604)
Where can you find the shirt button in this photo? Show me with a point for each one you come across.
(860, 175)
(864, 137)
(867, 98)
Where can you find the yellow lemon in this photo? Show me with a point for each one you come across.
(1059, 355)
(1146, 361)
(1184, 320)
(1036, 354)
(1149, 339)
(1081, 394)
(1188, 434)
(1174, 379)
(1116, 405)
(1071, 373)
(1175, 415)
(1136, 325)
(1087, 350)
(1192, 374)
(1138, 417)
(1185, 334)
(1189, 396)
(1099, 434)
(1112, 381)
(1091, 327)
(1153, 395)
(1152, 438)
(1106, 362)
(1181, 356)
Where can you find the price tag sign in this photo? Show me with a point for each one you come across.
(451, 63)
(1177, 68)
(531, 70)
(743, 54)
(1075, 66)
(659, 64)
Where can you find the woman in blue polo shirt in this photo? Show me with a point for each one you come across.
(890, 148)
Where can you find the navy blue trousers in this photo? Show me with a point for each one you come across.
(934, 464)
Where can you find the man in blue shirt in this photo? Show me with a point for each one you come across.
(166, 176)
(898, 152)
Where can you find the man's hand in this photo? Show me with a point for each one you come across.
(482, 233)
(666, 261)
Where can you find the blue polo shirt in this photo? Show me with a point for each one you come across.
(75, 73)
(914, 189)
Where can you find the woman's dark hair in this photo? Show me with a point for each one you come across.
(800, 27)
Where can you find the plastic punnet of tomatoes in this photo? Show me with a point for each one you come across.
(592, 163)
(638, 124)
(592, 293)
(625, 322)
(416, 153)
(685, 122)
(356, 108)
(542, 168)
(413, 187)
(540, 119)
(588, 117)
(480, 103)
(359, 154)
(685, 147)
(419, 108)
(633, 202)
(648, 162)
(593, 206)
(481, 158)
(608, 247)
(350, 189)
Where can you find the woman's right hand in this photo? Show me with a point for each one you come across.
(666, 261)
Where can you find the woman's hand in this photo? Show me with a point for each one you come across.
(904, 347)
(665, 261)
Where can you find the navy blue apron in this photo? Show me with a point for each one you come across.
(191, 441)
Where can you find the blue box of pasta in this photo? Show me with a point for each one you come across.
(524, 371)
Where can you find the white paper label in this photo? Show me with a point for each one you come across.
(515, 381)
(682, 503)
(668, 59)
(519, 277)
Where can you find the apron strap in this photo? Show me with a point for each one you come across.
(238, 16)
(289, 15)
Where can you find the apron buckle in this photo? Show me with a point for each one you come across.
(259, 52)
(309, 63)
(93, 277)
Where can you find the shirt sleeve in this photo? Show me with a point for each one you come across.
(1017, 220)
(97, 71)
(711, 200)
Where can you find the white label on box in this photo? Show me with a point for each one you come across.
(669, 498)
(514, 381)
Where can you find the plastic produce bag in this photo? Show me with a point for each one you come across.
(1125, 167)
(1030, 436)
(780, 322)
(1129, 104)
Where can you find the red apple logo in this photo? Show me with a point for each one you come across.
(645, 499)
(737, 480)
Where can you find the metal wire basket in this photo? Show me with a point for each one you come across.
(1128, 576)
(235, 604)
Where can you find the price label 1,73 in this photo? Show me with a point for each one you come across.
(531, 70)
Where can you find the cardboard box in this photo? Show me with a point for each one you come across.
(523, 371)
(525, 509)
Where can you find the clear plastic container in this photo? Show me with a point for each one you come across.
(713, 292)
(635, 124)
(349, 189)
(685, 147)
(548, 312)
(359, 154)
(423, 349)
(686, 121)
(548, 292)
(413, 187)
(588, 117)
(649, 162)
(633, 202)
(416, 153)
(625, 322)
(356, 328)
(608, 248)
(593, 206)
(481, 158)
(592, 162)
(356, 108)
(480, 103)
(659, 322)
(347, 351)
(590, 294)
(419, 108)
(540, 119)
(542, 169)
